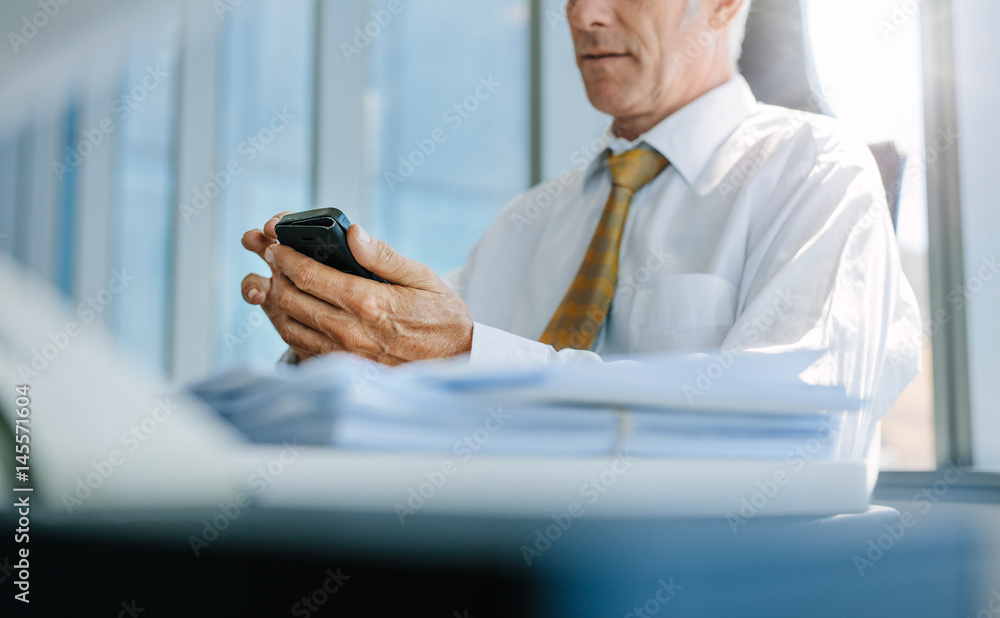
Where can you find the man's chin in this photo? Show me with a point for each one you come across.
(608, 99)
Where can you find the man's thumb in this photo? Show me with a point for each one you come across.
(378, 257)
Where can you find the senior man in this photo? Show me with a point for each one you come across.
(710, 222)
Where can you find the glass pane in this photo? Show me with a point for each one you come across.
(448, 103)
(36, 201)
(264, 155)
(8, 191)
(977, 55)
(870, 73)
(66, 219)
(143, 219)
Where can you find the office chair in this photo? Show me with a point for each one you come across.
(777, 62)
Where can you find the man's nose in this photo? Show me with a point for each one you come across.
(590, 14)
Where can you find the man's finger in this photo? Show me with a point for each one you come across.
(256, 241)
(311, 311)
(325, 283)
(302, 338)
(255, 289)
(378, 257)
(269, 226)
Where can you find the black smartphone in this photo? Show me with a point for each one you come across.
(322, 235)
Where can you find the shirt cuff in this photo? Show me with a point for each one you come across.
(492, 347)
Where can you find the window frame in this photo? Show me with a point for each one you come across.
(190, 332)
(952, 404)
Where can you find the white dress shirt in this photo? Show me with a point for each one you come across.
(769, 231)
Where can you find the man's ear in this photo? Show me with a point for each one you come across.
(724, 12)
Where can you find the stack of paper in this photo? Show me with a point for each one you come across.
(666, 406)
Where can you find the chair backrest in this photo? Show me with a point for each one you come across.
(778, 64)
(892, 164)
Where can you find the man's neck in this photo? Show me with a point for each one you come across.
(631, 127)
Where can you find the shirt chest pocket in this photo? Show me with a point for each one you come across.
(682, 312)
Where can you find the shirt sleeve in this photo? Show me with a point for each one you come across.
(493, 347)
(823, 273)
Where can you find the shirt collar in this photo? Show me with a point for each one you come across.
(689, 136)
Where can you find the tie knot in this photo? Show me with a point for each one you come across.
(635, 168)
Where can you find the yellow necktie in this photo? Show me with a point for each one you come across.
(586, 304)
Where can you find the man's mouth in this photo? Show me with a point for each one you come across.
(602, 55)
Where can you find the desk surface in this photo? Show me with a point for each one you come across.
(266, 558)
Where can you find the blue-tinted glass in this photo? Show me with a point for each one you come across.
(977, 52)
(143, 116)
(458, 72)
(266, 132)
(8, 192)
(66, 214)
(27, 228)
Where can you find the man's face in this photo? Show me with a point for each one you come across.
(633, 53)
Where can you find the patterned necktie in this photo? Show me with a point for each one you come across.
(585, 306)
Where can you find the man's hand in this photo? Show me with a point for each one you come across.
(318, 309)
(256, 288)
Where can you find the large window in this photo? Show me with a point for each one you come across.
(421, 120)
(448, 120)
(264, 155)
(977, 54)
(874, 84)
(143, 190)
(8, 192)
(67, 209)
